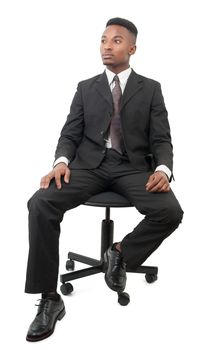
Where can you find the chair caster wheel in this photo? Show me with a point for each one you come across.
(150, 278)
(123, 298)
(66, 288)
(70, 265)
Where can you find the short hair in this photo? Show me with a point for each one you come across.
(124, 23)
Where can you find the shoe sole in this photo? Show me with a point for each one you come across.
(106, 279)
(46, 335)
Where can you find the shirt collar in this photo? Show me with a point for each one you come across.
(123, 76)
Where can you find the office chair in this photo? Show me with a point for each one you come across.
(107, 200)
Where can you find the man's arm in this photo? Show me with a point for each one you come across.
(161, 145)
(71, 136)
(160, 138)
(72, 131)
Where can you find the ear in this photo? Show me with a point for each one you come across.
(132, 50)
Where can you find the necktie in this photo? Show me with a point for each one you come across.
(115, 126)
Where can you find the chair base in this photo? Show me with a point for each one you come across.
(98, 266)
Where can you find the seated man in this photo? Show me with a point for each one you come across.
(116, 120)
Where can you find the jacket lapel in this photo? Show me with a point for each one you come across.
(102, 87)
(134, 84)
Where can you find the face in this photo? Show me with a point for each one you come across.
(117, 45)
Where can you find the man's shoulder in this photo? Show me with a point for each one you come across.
(91, 80)
(147, 80)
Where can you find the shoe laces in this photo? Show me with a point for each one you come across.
(43, 305)
(118, 263)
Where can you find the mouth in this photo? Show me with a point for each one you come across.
(107, 56)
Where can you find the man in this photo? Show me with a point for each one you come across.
(116, 137)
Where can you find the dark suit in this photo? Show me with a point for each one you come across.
(144, 124)
(94, 169)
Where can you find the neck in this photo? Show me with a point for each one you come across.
(117, 70)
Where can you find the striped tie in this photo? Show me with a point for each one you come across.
(115, 126)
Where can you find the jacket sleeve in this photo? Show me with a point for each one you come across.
(160, 138)
(72, 131)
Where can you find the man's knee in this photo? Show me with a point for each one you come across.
(170, 212)
(175, 213)
(38, 201)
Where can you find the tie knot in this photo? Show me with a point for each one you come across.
(116, 79)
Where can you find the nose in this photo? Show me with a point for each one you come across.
(107, 46)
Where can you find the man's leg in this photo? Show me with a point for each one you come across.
(46, 210)
(163, 215)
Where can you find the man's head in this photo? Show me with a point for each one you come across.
(118, 43)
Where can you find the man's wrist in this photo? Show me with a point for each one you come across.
(61, 160)
(164, 169)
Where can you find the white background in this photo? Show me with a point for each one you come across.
(47, 47)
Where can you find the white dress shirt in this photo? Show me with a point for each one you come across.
(123, 78)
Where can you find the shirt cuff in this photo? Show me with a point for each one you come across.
(61, 160)
(165, 169)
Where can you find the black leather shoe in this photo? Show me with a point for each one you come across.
(115, 275)
(49, 311)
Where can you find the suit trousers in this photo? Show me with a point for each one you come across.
(162, 215)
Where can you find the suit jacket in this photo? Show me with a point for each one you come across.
(144, 121)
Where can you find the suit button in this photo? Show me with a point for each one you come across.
(103, 151)
(101, 132)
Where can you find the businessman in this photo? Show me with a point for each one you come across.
(116, 137)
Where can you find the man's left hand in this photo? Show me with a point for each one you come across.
(158, 182)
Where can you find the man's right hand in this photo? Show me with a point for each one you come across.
(61, 169)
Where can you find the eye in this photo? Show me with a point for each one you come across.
(103, 41)
(117, 41)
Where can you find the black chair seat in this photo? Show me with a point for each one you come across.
(108, 199)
